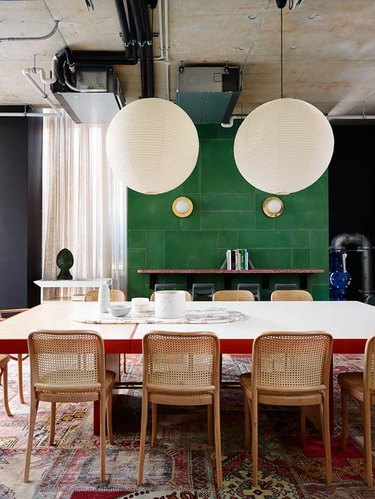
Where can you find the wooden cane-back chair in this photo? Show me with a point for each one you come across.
(69, 366)
(233, 295)
(181, 369)
(114, 295)
(289, 369)
(19, 357)
(4, 360)
(361, 387)
(291, 295)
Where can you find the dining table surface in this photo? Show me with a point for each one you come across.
(351, 323)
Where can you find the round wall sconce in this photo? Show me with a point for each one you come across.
(273, 207)
(182, 207)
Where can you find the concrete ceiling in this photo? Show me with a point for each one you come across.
(329, 47)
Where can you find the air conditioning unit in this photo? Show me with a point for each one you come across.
(95, 97)
(208, 93)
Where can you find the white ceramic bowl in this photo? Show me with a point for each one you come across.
(118, 310)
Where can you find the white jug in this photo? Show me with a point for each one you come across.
(103, 298)
(170, 304)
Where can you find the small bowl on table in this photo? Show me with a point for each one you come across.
(118, 310)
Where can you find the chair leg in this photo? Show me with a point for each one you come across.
(254, 438)
(142, 443)
(344, 419)
(52, 423)
(109, 418)
(210, 425)
(367, 439)
(33, 412)
(102, 436)
(20, 378)
(302, 416)
(219, 469)
(154, 424)
(5, 390)
(247, 418)
(327, 439)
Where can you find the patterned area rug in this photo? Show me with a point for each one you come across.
(182, 466)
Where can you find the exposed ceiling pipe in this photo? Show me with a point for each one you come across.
(31, 38)
(125, 34)
(27, 72)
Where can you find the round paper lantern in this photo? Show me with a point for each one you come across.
(283, 146)
(152, 145)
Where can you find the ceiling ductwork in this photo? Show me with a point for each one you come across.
(86, 85)
(208, 93)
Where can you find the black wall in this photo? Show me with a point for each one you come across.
(352, 190)
(20, 210)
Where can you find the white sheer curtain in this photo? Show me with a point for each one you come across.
(84, 205)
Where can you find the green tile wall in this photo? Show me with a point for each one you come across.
(227, 214)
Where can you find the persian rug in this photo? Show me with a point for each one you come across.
(182, 465)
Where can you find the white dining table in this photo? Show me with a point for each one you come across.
(351, 323)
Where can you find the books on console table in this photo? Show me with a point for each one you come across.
(238, 259)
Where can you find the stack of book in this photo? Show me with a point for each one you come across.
(238, 259)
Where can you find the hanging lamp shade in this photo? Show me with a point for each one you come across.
(152, 145)
(283, 146)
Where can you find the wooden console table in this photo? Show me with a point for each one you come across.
(265, 274)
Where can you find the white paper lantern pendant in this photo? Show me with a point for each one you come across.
(285, 145)
(152, 145)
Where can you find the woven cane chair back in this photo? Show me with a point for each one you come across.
(291, 362)
(291, 295)
(233, 295)
(66, 361)
(114, 295)
(369, 368)
(187, 361)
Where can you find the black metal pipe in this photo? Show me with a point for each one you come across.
(342, 241)
(136, 9)
(125, 33)
(149, 48)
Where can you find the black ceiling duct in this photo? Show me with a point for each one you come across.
(91, 72)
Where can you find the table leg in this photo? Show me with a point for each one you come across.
(112, 363)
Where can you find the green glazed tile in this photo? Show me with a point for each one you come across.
(225, 220)
(319, 248)
(155, 249)
(192, 249)
(227, 202)
(264, 239)
(207, 131)
(300, 238)
(320, 292)
(271, 258)
(136, 257)
(301, 258)
(219, 172)
(138, 284)
(136, 238)
(228, 239)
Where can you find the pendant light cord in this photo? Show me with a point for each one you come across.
(281, 56)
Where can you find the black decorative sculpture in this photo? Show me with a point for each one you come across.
(64, 261)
